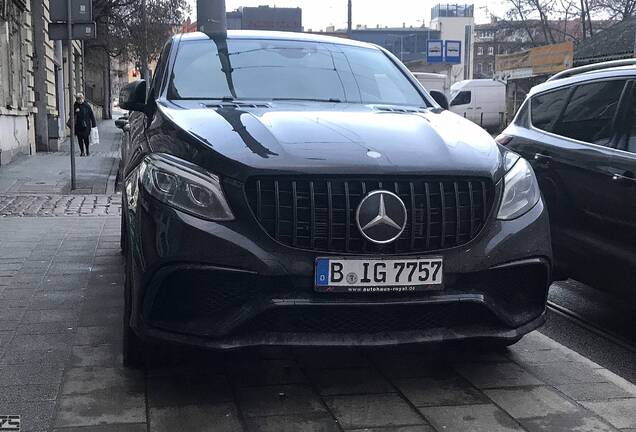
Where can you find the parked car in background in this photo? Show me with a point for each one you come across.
(579, 132)
(337, 205)
(433, 82)
(482, 101)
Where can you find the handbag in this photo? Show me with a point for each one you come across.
(94, 138)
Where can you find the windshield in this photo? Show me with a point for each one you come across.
(288, 70)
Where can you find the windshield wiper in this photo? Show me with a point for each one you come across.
(333, 100)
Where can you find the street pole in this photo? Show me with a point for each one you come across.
(144, 61)
(71, 88)
(349, 18)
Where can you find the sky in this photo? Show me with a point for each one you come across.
(318, 14)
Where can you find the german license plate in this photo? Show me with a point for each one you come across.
(378, 275)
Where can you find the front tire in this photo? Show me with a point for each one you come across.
(133, 350)
(123, 239)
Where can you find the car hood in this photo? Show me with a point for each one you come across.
(336, 138)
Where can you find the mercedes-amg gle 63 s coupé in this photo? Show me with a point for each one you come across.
(295, 189)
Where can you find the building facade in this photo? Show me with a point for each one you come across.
(33, 80)
(265, 18)
(17, 111)
(456, 22)
(495, 39)
(406, 43)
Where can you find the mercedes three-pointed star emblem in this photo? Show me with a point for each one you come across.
(381, 216)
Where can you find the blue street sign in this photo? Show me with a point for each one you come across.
(453, 51)
(434, 51)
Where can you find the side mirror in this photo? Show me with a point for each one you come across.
(132, 97)
(121, 122)
(440, 98)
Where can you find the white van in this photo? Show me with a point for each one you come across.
(433, 81)
(483, 101)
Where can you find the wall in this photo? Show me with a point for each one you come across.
(16, 82)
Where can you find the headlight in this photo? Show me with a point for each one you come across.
(184, 186)
(521, 191)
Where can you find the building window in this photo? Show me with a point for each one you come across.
(490, 68)
(491, 50)
(13, 58)
(480, 50)
(480, 67)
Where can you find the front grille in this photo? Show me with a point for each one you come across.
(371, 319)
(319, 214)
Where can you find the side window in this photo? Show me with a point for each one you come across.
(546, 107)
(462, 98)
(590, 112)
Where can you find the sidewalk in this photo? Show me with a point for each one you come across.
(40, 185)
(50, 173)
(61, 306)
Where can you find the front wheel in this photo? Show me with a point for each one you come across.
(122, 236)
(133, 352)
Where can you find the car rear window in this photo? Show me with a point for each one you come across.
(260, 69)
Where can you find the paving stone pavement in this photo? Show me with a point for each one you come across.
(61, 290)
(60, 205)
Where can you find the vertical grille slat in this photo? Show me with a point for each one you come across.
(329, 216)
(259, 201)
(294, 214)
(312, 227)
(277, 210)
(443, 209)
(319, 213)
(348, 216)
(458, 213)
(472, 208)
(413, 219)
(484, 198)
(428, 215)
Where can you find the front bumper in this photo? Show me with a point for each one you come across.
(228, 285)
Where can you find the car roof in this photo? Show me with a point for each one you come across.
(277, 35)
(619, 71)
(483, 82)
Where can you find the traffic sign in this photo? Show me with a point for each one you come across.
(81, 11)
(453, 51)
(80, 31)
(434, 51)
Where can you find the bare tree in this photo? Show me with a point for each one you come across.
(549, 21)
(121, 33)
(617, 9)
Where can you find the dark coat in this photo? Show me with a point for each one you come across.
(84, 119)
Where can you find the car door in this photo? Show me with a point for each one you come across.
(531, 142)
(583, 137)
(620, 222)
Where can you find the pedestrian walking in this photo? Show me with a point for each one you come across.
(84, 122)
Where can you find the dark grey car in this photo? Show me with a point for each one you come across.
(294, 189)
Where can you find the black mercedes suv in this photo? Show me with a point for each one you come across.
(293, 189)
